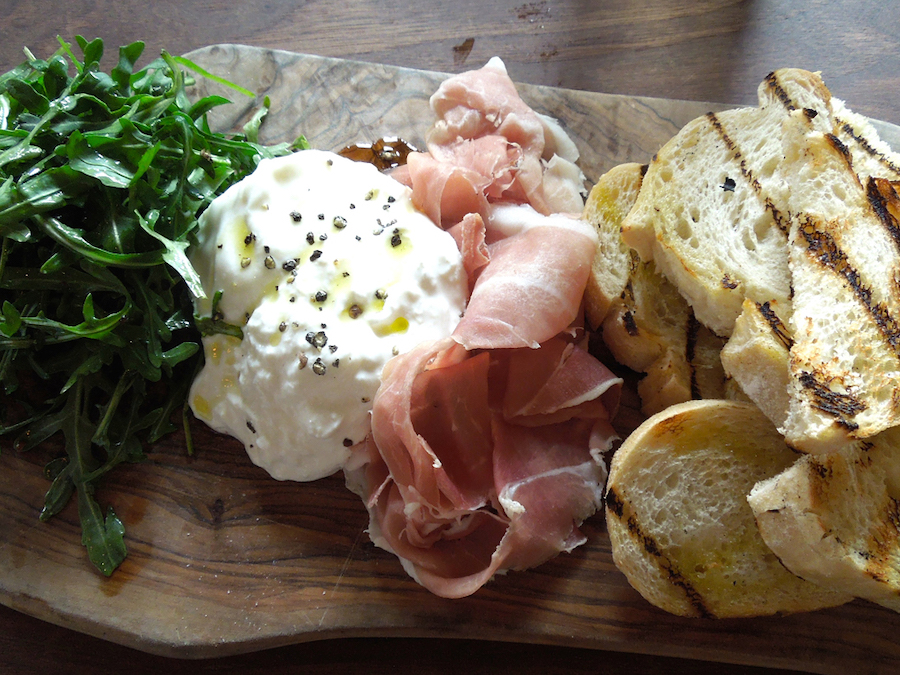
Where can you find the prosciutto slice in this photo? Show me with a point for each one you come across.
(532, 288)
(470, 234)
(488, 145)
(459, 490)
(486, 447)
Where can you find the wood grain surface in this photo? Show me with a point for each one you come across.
(708, 51)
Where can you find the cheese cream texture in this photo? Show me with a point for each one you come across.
(330, 271)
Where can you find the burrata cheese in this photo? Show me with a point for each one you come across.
(329, 271)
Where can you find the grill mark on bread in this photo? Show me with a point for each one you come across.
(775, 324)
(693, 326)
(630, 324)
(822, 248)
(775, 87)
(628, 299)
(837, 404)
(780, 221)
(882, 196)
(882, 542)
(616, 505)
(843, 151)
(864, 145)
(821, 471)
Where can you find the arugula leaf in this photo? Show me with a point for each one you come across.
(103, 177)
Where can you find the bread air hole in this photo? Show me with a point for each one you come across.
(767, 170)
(748, 240)
(761, 228)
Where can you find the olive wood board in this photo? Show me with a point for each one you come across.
(223, 559)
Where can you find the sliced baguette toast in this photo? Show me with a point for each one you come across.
(645, 323)
(678, 518)
(834, 518)
(757, 358)
(711, 210)
(796, 220)
(705, 213)
(608, 203)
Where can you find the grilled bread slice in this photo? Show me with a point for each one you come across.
(834, 519)
(845, 323)
(651, 329)
(678, 519)
(711, 212)
(757, 357)
(608, 203)
(645, 323)
(705, 213)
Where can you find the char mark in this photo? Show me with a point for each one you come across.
(777, 325)
(631, 326)
(616, 505)
(823, 249)
(882, 196)
(842, 149)
(866, 146)
(613, 503)
(834, 403)
(775, 87)
(693, 327)
(747, 173)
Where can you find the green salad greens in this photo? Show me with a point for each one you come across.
(102, 179)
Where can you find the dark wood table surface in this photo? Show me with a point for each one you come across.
(707, 50)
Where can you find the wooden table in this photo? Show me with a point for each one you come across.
(704, 50)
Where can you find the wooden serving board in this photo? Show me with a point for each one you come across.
(223, 559)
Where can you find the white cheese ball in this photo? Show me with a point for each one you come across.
(330, 271)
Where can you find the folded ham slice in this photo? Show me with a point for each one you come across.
(460, 490)
(532, 288)
(485, 451)
(488, 145)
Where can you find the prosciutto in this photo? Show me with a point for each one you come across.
(488, 145)
(464, 478)
(533, 286)
(486, 447)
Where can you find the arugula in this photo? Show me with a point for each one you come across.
(102, 179)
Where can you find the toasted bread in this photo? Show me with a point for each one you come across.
(769, 205)
(607, 205)
(705, 213)
(845, 322)
(645, 323)
(757, 358)
(678, 519)
(711, 210)
(834, 518)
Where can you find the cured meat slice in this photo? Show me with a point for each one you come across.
(458, 491)
(488, 137)
(444, 191)
(556, 383)
(469, 235)
(533, 286)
